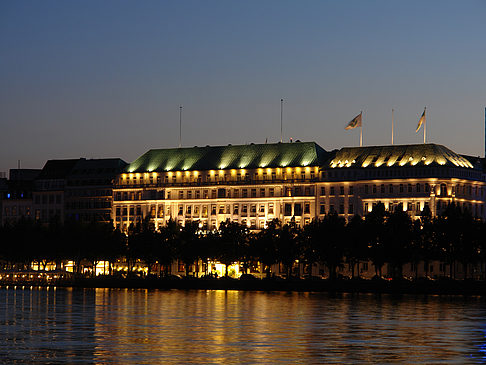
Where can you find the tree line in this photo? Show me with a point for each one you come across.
(454, 237)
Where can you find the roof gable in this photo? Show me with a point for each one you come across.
(231, 157)
(398, 155)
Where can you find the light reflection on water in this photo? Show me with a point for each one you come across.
(150, 326)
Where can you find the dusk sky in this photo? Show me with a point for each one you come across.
(102, 79)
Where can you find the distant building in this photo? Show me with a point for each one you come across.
(77, 189)
(18, 202)
(3, 194)
(255, 183)
(49, 199)
(89, 189)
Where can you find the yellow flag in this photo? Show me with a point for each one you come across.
(421, 121)
(356, 122)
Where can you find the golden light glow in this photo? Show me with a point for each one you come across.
(178, 173)
(211, 172)
(233, 172)
(307, 169)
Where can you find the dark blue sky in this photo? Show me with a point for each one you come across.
(106, 78)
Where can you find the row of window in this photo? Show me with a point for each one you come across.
(188, 177)
(14, 211)
(214, 193)
(88, 192)
(341, 209)
(48, 199)
(252, 210)
(333, 190)
(89, 204)
(401, 188)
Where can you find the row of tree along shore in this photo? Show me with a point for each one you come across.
(454, 238)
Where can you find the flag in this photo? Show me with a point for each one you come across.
(421, 121)
(356, 122)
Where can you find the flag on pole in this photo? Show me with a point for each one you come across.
(421, 121)
(356, 122)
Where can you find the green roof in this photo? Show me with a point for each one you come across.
(398, 155)
(231, 157)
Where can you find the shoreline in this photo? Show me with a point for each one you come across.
(431, 287)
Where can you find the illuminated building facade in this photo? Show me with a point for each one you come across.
(250, 184)
(300, 181)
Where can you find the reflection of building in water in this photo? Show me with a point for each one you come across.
(252, 184)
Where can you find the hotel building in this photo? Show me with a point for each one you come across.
(253, 184)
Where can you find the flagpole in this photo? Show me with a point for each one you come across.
(425, 123)
(361, 131)
(392, 125)
(180, 126)
(281, 120)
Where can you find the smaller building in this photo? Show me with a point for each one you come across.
(89, 189)
(49, 189)
(17, 201)
(76, 189)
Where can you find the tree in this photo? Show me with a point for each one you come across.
(233, 243)
(374, 231)
(355, 244)
(188, 248)
(288, 246)
(396, 239)
(265, 245)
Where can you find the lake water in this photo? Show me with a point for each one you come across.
(119, 326)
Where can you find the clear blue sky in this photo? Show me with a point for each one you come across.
(105, 78)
